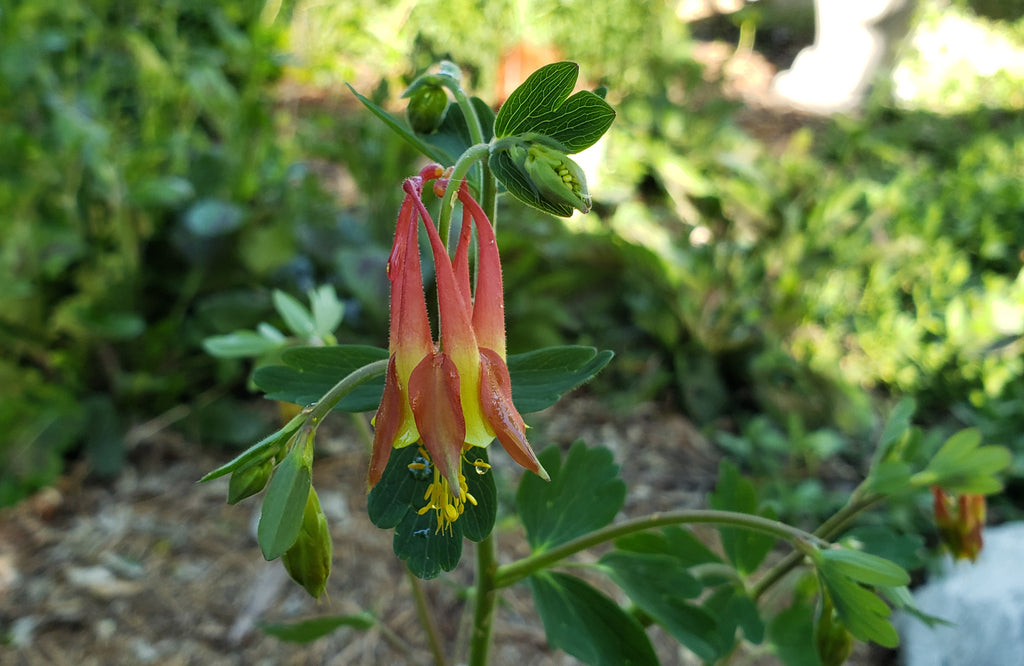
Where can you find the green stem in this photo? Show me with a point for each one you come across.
(489, 200)
(322, 407)
(476, 130)
(485, 598)
(472, 155)
(828, 530)
(516, 571)
(426, 620)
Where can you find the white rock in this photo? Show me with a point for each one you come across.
(983, 600)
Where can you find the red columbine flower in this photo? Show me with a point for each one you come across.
(455, 394)
(961, 530)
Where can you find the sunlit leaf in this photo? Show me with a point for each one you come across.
(296, 316)
(542, 105)
(240, 344)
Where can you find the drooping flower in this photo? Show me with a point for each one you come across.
(456, 393)
(960, 521)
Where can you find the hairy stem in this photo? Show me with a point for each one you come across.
(472, 155)
(828, 530)
(316, 413)
(485, 598)
(516, 571)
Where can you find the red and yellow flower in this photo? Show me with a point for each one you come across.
(453, 394)
(960, 521)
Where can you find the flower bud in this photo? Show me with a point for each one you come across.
(553, 176)
(308, 561)
(960, 530)
(832, 640)
(428, 105)
(248, 481)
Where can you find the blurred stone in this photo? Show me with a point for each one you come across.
(100, 582)
(853, 40)
(984, 602)
(23, 630)
(9, 575)
(105, 629)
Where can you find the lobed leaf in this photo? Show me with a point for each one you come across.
(297, 317)
(542, 105)
(865, 568)
(539, 378)
(584, 494)
(587, 624)
(744, 548)
(240, 344)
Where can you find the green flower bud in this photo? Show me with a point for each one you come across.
(248, 481)
(832, 639)
(308, 561)
(428, 105)
(553, 176)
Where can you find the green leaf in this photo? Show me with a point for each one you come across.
(961, 465)
(399, 490)
(744, 548)
(424, 550)
(210, 218)
(733, 610)
(542, 105)
(478, 521)
(859, 609)
(310, 372)
(791, 635)
(957, 450)
(895, 428)
(889, 478)
(397, 498)
(162, 191)
(642, 575)
(284, 503)
(584, 494)
(318, 627)
(905, 549)
(659, 585)
(517, 183)
(328, 311)
(865, 568)
(587, 624)
(539, 378)
(297, 318)
(261, 450)
(401, 130)
(240, 344)
(681, 544)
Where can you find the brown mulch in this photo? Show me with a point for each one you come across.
(156, 569)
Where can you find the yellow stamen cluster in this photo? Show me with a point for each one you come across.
(569, 179)
(440, 497)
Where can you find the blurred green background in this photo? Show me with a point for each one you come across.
(165, 166)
